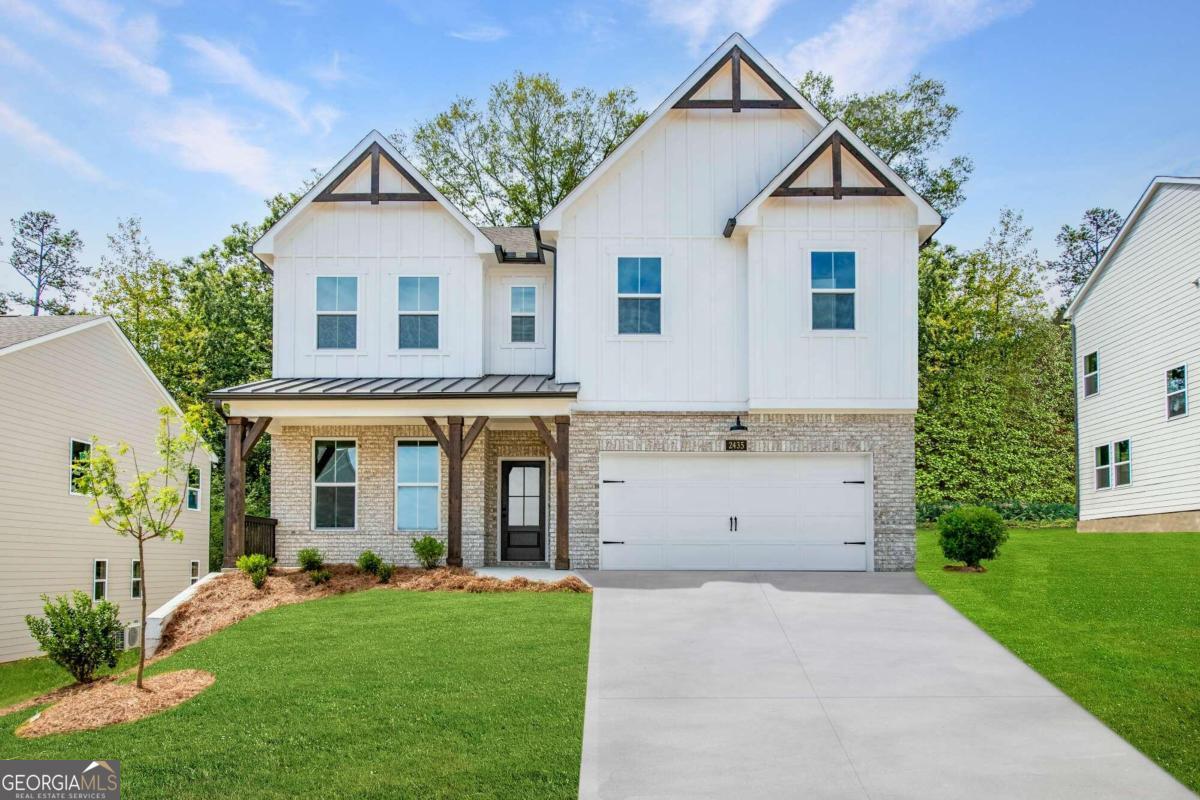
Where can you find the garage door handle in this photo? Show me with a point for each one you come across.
(863, 543)
(862, 482)
(609, 541)
(606, 480)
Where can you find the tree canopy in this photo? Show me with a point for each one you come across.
(47, 258)
(1081, 248)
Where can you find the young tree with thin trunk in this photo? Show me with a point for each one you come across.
(148, 506)
(48, 259)
(1080, 249)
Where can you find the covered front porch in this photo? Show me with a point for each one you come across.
(481, 463)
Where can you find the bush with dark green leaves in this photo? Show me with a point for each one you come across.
(310, 559)
(1010, 510)
(971, 534)
(78, 636)
(385, 572)
(255, 565)
(428, 550)
(319, 576)
(369, 563)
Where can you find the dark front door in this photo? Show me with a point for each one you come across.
(523, 511)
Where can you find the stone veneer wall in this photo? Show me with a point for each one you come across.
(888, 437)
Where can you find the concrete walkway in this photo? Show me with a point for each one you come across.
(825, 685)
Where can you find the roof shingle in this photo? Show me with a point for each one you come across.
(18, 329)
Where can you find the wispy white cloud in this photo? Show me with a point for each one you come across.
(203, 139)
(701, 20)
(38, 142)
(14, 56)
(330, 72)
(481, 33)
(878, 43)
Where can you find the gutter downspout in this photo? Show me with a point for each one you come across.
(542, 246)
(1075, 392)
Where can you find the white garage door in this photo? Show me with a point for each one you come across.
(734, 511)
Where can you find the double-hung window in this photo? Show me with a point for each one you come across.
(639, 295)
(99, 579)
(1091, 374)
(135, 578)
(1176, 392)
(417, 466)
(833, 288)
(1122, 463)
(419, 303)
(80, 451)
(335, 483)
(522, 314)
(1103, 466)
(337, 313)
(195, 571)
(193, 489)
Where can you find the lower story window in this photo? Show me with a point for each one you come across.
(135, 579)
(195, 572)
(99, 579)
(1103, 467)
(335, 483)
(1123, 462)
(417, 469)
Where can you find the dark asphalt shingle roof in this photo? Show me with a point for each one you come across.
(399, 388)
(18, 329)
(519, 240)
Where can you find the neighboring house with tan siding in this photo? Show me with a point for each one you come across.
(1136, 325)
(64, 380)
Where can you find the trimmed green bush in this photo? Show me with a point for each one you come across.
(78, 636)
(369, 562)
(310, 559)
(971, 534)
(429, 551)
(385, 572)
(319, 576)
(255, 565)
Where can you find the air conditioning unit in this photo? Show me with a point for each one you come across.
(133, 636)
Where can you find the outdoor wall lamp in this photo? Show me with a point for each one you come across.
(737, 426)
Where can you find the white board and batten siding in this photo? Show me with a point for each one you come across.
(76, 386)
(1142, 317)
(504, 356)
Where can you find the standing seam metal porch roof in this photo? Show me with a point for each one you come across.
(399, 388)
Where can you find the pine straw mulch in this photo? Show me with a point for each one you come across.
(103, 703)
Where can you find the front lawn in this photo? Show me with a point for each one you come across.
(376, 694)
(1111, 619)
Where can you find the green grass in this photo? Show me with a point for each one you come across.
(29, 677)
(1111, 619)
(377, 694)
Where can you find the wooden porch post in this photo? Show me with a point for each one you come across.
(235, 491)
(456, 447)
(560, 448)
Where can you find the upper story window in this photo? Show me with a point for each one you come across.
(419, 304)
(1091, 374)
(135, 578)
(337, 313)
(1176, 392)
(80, 451)
(639, 295)
(833, 287)
(523, 314)
(335, 482)
(417, 469)
(193, 489)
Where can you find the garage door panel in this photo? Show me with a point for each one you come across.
(698, 556)
(665, 527)
(633, 556)
(833, 498)
(832, 468)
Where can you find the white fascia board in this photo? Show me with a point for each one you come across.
(552, 222)
(264, 248)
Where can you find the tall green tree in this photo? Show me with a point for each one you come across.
(510, 160)
(47, 258)
(1081, 248)
(905, 127)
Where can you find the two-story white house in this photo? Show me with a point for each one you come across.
(705, 357)
(1136, 323)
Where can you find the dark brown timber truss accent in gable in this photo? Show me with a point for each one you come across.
(240, 437)
(735, 57)
(374, 152)
(560, 448)
(455, 446)
(837, 143)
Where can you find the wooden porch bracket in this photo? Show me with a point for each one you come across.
(241, 434)
(456, 447)
(560, 448)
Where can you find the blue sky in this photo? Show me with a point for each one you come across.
(188, 114)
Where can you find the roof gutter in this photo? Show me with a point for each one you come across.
(542, 248)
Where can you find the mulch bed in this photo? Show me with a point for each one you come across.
(963, 568)
(103, 703)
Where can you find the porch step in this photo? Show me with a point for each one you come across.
(524, 564)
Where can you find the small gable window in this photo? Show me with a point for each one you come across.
(639, 295)
(337, 313)
(1176, 392)
(419, 304)
(523, 311)
(1091, 374)
(833, 289)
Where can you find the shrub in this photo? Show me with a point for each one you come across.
(256, 566)
(78, 636)
(428, 551)
(385, 572)
(1012, 510)
(971, 534)
(319, 576)
(369, 562)
(310, 559)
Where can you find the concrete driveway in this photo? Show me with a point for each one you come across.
(827, 685)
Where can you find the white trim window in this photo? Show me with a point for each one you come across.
(418, 304)
(639, 296)
(337, 312)
(100, 579)
(1177, 392)
(193, 489)
(522, 316)
(1122, 463)
(80, 451)
(1091, 374)
(1103, 466)
(833, 288)
(194, 572)
(135, 578)
(418, 468)
(335, 484)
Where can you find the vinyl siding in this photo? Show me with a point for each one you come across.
(1142, 316)
(76, 386)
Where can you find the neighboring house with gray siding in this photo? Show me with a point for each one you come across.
(705, 357)
(64, 380)
(1136, 325)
